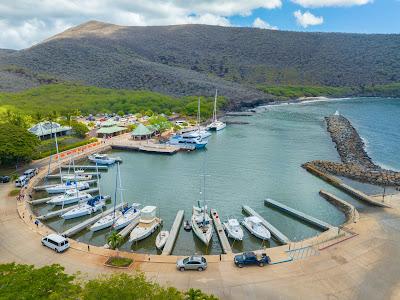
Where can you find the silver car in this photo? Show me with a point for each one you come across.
(198, 263)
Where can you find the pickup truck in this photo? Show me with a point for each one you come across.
(250, 258)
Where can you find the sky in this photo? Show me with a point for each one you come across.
(24, 23)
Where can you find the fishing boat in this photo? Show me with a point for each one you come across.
(69, 197)
(215, 124)
(187, 226)
(78, 175)
(62, 187)
(129, 214)
(188, 142)
(201, 224)
(103, 159)
(161, 239)
(256, 228)
(148, 224)
(84, 209)
(233, 229)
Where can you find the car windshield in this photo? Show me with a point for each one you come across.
(186, 260)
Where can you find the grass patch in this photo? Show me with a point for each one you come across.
(14, 192)
(121, 262)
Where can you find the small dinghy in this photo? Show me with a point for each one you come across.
(256, 228)
(161, 239)
(187, 226)
(233, 229)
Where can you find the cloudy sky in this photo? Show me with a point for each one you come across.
(26, 22)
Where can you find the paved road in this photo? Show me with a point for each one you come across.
(364, 267)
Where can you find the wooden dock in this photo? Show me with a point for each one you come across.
(173, 234)
(274, 231)
(81, 226)
(298, 214)
(44, 200)
(43, 187)
(226, 247)
(344, 187)
(88, 167)
(59, 212)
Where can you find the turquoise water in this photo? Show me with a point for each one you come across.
(245, 164)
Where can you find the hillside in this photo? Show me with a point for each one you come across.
(196, 59)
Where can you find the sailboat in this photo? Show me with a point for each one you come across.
(63, 187)
(200, 132)
(69, 197)
(78, 175)
(129, 214)
(201, 221)
(215, 124)
(84, 209)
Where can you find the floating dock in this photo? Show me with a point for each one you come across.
(226, 247)
(43, 187)
(274, 231)
(344, 187)
(59, 212)
(44, 200)
(124, 232)
(150, 148)
(88, 167)
(79, 227)
(298, 214)
(57, 176)
(173, 234)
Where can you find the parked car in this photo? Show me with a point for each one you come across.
(251, 258)
(30, 173)
(55, 242)
(4, 179)
(21, 181)
(194, 262)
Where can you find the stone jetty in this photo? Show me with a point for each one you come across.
(356, 164)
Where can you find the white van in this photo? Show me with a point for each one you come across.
(21, 181)
(55, 242)
(30, 173)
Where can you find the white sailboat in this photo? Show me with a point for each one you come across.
(256, 228)
(161, 239)
(215, 124)
(62, 187)
(201, 132)
(201, 224)
(69, 197)
(78, 175)
(129, 214)
(233, 229)
(148, 224)
(84, 209)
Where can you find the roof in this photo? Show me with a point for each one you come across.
(46, 128)
(111, 129)
(141, 130)
(55, 237)
(108, 123)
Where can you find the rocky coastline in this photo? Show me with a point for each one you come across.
(356, 164)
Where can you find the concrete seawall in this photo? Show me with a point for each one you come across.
(349, 210)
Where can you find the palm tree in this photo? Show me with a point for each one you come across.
(196, 294)
(115, 240)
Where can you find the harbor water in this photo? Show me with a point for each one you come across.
(244, 164)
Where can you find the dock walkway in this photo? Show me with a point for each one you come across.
(226, 247)
(274, 231)
(88, 167)
(173, 234)
(79, 227)
(298, 214)
(57, 176)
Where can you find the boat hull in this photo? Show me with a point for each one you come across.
(144, 234)
(256, 233)
(204, 237)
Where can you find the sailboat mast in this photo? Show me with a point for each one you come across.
(198, 115)
(115, 192)
(58, 155)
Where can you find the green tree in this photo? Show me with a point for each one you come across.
(16, 144)
(196, 294)
(28, 282)
(115, 240)
(79, 129)
(160, 123)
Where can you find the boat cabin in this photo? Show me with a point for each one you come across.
(148, 214)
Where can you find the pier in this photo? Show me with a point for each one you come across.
(173, 234)
(44, 200)
(57, 176)
(43, 187)
(79, 227)
(226, 247)
(298, 214)
(274, 231)
(127, 230)
(88, 167)
(150, 148)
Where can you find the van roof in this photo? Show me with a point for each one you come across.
(56, 237)
(21, 177)
(29, 171)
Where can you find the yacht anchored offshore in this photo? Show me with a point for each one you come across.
(69, 197)
(215, 124)
(84, 209)
(103, 159)
(62, 187)
(148, 224)
(256, 228)
(201, 224)
(233, 229)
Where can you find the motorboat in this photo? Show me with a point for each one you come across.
(233, 229)
(201, 224)
(62, 187)
(215, 124)
(103, 159)
(79, 175)
(187, 226)
(128, 215)
(148, 224)
(188, 142)
(106, 221)
(256, 228)
(84, 209)
(69, 197)
(161, 239)
(202, 133)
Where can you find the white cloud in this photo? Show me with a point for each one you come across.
(325, 3)
(259, 23)
(307, 19)
(23, 23)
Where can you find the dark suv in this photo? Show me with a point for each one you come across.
(4, 179)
